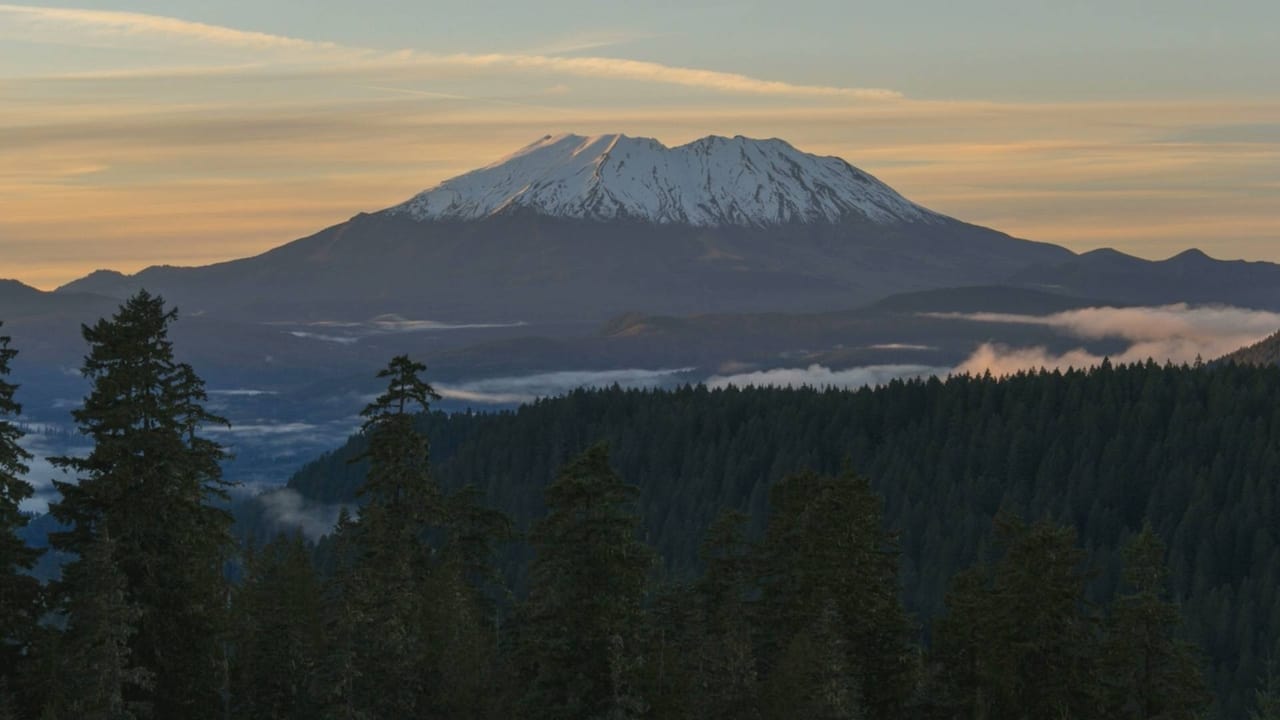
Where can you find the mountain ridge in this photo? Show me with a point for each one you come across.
(535, 268)
(574, 230)
(1190, 276)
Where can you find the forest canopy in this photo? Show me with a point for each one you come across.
(1193, 451)
(1097, 543)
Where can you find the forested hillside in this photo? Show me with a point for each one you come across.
(1078, 545)
(1265, 352)
(1194, 451)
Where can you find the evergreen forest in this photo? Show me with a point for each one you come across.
(1079, 544)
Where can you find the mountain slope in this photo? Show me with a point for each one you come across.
(1265, 352)
(541, 269)
(577, 230)
(19, 302)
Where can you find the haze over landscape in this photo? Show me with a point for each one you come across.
(579, 359)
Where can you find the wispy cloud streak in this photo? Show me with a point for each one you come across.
(104, 25)
(108, 23)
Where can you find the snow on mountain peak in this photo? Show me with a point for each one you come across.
(711, 181)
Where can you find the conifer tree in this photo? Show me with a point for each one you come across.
(964, 686)
(698, 655)
(1149, 671)
(813, 677)
(579, 640)
(392, 558)
(19, 592)
(154, 481)
(674, 642)
(1266, 699)
(279, 613)
(462, 666)
(727, 673)
(398, 489)
(826, 554)
(417, 636)
(1048, 645)
(463, 620)
(1019, 641)
(474, 533)
(97, 669)
(340, 674)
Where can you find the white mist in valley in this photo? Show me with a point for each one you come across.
(527, 388)
(819, 376)
(1180, 334)
(1171, 333)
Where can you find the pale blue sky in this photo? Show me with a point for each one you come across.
(996, 49)
(184, 131)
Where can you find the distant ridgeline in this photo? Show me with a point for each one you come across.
(1196, 451)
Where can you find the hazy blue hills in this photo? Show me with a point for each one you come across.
(1190, 277)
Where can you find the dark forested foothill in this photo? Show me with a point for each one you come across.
(1065, 545)
(1192, 451)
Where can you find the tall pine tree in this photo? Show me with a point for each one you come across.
(1150, 672)
(580, 637)
(1019, 640)
(19, 592)
(340, 673)
(726, 670)
(155, 482)
(416, 635)
(829, 578)
(96, 670)
(279, 613)
(387, 559)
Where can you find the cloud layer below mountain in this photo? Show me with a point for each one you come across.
(1171, 333)
(527, 388)
(819, 376)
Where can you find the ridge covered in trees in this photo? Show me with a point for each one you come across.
(1194, 451)
(691, 554)
(1263, 352)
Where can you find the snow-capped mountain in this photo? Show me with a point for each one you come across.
(574, 230)
(714, 181)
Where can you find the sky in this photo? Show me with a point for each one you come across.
(181, 132)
